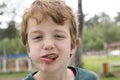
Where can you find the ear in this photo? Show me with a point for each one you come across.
(76, 43)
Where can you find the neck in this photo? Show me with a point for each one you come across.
(66, 74)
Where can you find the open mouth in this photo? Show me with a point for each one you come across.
(51, 56)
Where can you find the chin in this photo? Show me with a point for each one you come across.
(47, 68)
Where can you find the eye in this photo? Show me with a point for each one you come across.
(37, 37)
(58, 36)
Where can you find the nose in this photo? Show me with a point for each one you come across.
(48, 44)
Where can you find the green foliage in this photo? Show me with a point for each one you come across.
(111, 33)
(99, 30)
(117, 18)
(11, 46)
(93, 38)
(2, 6)
(11, 31)
(9, 41)
(1, 33)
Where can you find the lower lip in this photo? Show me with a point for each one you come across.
(46, 60)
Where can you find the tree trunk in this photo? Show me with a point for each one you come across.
(80, 17)
(77, 58)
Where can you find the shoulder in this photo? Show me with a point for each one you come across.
(30, 76)
(83, 74)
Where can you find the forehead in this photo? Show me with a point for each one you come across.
(33, 21)
(46, 25)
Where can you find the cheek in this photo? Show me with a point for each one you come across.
(33, 51)
(65, 47)
(33, 47)
(32, 54)
(65, 54)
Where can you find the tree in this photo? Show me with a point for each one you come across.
(1, 7)
(92, 22)
(8, 36)
(77, 57)
(11, 46)
(11, 31)
(100, 29)
(117, 18)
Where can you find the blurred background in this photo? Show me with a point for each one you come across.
(99, 50)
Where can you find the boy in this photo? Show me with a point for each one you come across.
(49, 32)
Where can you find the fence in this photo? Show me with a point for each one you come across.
(107, 67)
(15, 65)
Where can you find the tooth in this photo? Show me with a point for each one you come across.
(52, 56)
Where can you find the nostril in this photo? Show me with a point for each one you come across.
(48, 47)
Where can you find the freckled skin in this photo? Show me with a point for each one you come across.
(47, 38)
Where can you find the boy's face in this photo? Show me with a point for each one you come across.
(49, 45)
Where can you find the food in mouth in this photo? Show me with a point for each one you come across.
(51, 56)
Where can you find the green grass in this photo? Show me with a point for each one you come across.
(94, 63)
(111, 78)
(13, 74)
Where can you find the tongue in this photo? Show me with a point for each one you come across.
(49, 58)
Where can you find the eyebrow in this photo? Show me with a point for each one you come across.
(59, 31)
(55, 31)
(37, 31)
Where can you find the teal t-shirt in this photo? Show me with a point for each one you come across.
(81, 74)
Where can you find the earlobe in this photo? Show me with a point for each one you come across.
(78, 41)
